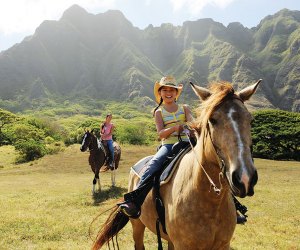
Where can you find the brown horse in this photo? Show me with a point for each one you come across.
(97, 157)
(199, 209)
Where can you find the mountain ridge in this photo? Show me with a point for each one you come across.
(104, 56)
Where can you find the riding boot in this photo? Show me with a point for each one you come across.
(134, 199)
(111, 165)
(240, 219)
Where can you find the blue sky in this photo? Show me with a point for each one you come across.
(20, 18)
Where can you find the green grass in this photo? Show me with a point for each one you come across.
(47, 204)
(7, 156)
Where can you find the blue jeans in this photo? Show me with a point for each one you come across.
(156, 163)
(111, 150)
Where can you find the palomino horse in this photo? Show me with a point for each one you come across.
(199, 208)
(97, 157)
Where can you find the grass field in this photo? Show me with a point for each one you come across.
(47, 204)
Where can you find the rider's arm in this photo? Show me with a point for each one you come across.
(161, 130)
(112, 129)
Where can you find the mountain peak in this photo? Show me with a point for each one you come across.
(73, 12)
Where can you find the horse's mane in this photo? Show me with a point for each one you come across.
(219, 92)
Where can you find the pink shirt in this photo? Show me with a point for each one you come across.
(106, 130)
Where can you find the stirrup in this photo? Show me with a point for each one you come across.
(130, 215)
(111, 166)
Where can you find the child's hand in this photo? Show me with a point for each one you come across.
(178, 128)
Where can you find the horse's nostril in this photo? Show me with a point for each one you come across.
(236, 180)
(254, 179)
(252, 184)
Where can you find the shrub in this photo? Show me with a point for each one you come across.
(132, 134)
(276, 135)
(55, 147)
(49, 140)
(30, 150)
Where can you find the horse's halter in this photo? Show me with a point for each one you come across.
(89, 144)
(221, 162)
(213, 185)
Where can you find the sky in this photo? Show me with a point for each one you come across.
(20, 18)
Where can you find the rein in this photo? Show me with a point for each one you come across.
(213, 185)
(222, 165)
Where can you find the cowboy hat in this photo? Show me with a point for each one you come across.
(166, 81)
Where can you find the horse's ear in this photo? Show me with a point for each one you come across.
(246, 93)
(92, 131)
(203, 93)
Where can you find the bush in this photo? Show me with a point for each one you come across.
(49, 140)
(55, 147)
(30, 150)
(24, 131)
(132, 134)
(276, 135)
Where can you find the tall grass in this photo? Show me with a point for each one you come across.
(48, 204)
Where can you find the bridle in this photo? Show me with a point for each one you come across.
(221, 162)
(217, 151)
(216, 189)
(89, 144)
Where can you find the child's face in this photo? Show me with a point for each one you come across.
(168, 94)
(108, 118)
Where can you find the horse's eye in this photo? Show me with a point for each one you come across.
(213, 121)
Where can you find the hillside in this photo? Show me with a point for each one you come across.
(104, 56)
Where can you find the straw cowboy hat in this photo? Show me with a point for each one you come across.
(168, 81)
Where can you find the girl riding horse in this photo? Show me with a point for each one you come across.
(199, 209)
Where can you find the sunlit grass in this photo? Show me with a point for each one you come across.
(48, 204)
(7, 156)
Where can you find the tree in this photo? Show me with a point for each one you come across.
(6, 118)
(276, 135)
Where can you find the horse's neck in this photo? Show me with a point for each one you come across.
(94, 144)
(97, 155)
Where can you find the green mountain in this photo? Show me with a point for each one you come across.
(104, 56)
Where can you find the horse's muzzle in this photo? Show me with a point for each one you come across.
(243, 185)
(82, 149)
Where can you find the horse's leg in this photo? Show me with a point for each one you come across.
(170, 245)
(98, 181)
(94, 184)
(138, 229)
(113, 176)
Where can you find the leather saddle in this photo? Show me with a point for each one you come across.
(179, 150)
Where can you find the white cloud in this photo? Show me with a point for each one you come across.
(23, 16)
(196, 6)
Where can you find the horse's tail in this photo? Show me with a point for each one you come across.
(115, 222)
